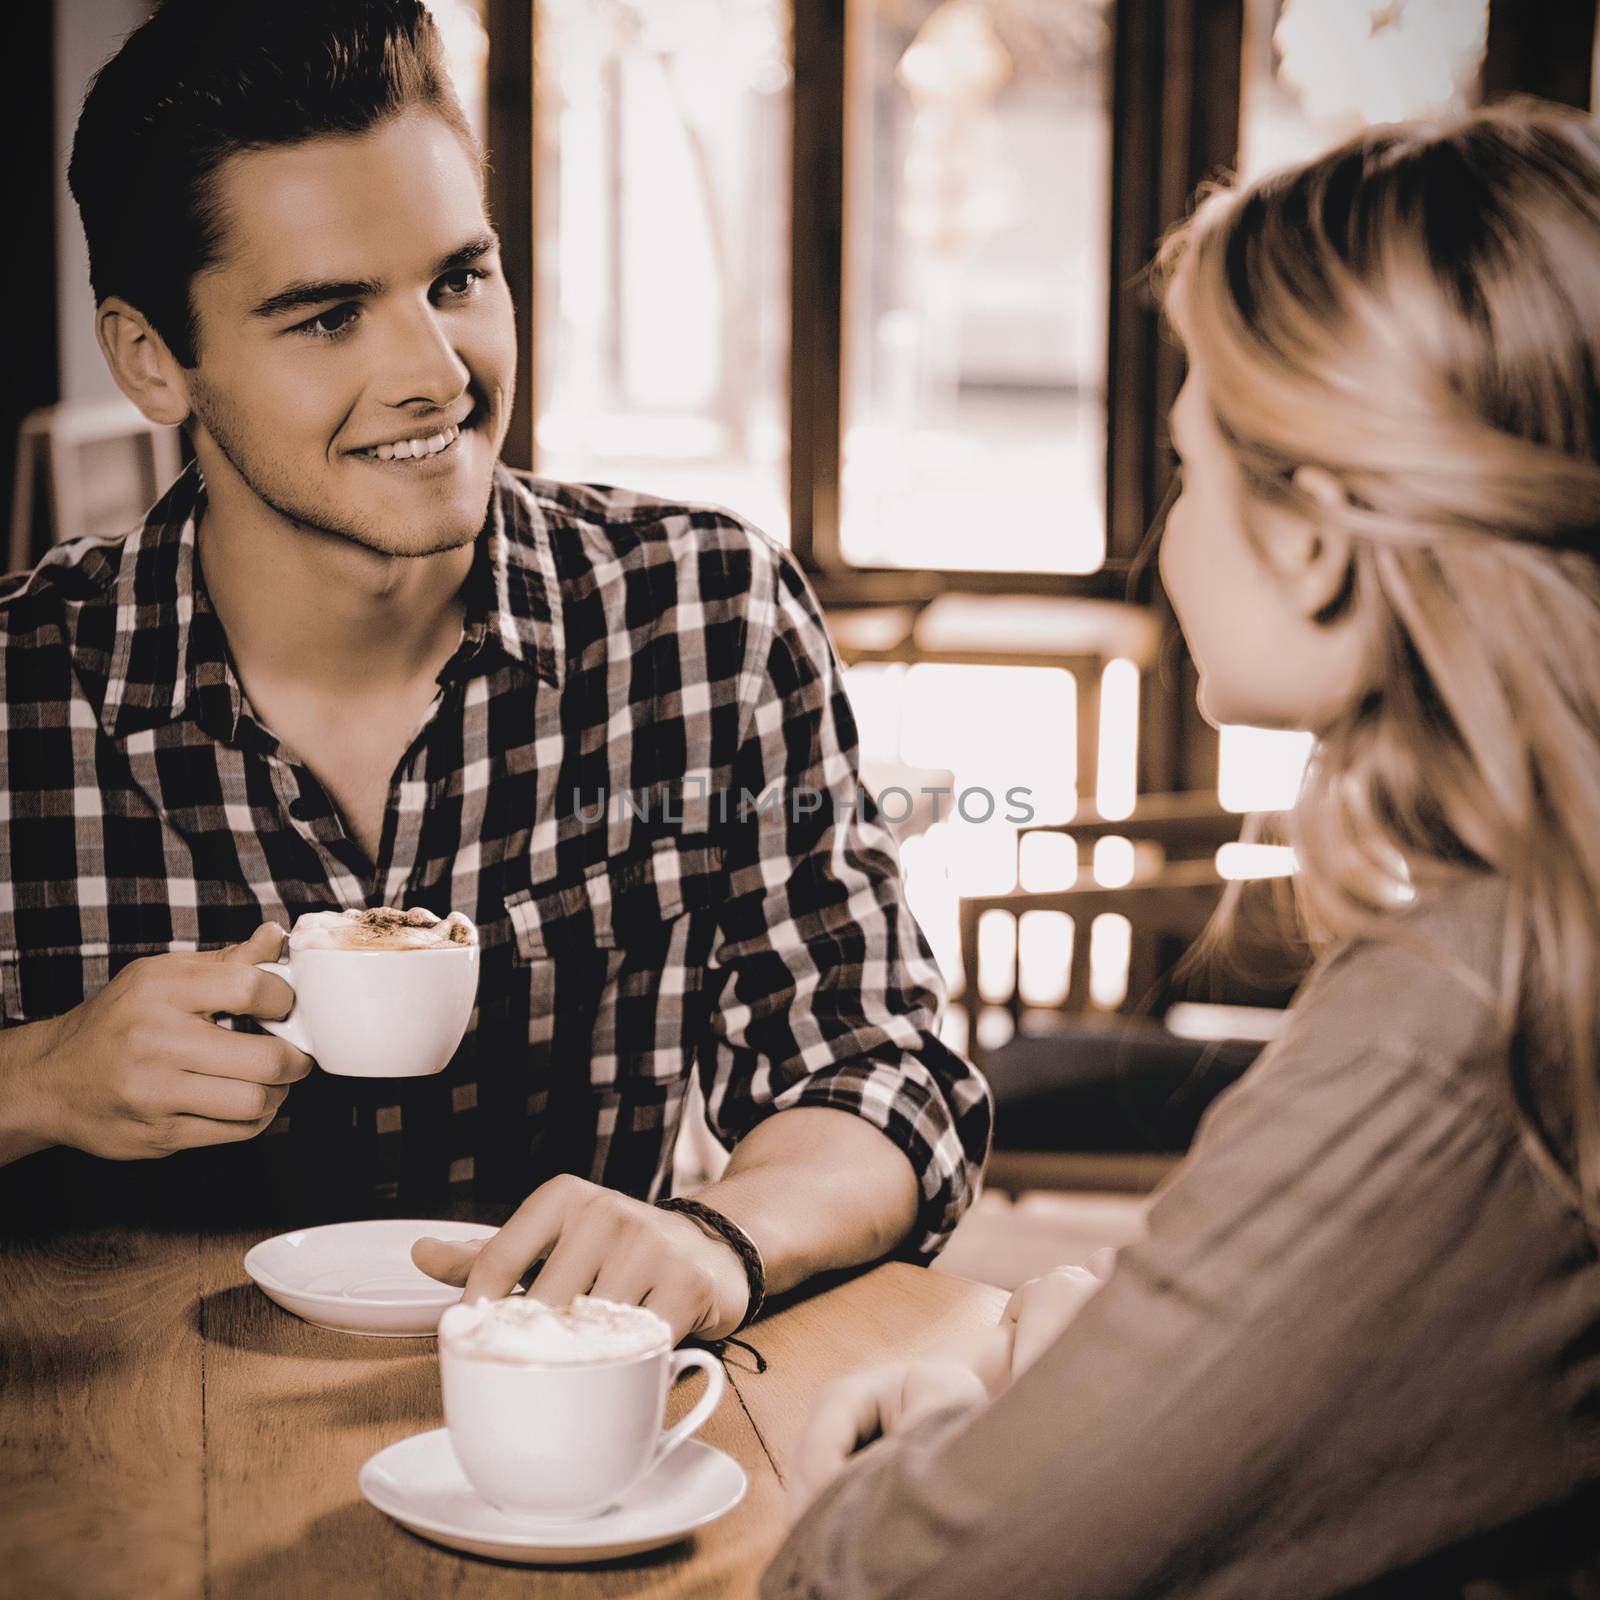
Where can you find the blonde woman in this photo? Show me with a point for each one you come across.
(1359, 1351)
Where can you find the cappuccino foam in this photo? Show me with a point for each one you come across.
(523, 1331)
(381, 928)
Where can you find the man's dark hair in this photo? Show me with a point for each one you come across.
(202, 80)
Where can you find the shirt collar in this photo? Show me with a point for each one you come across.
(520, 603)
(158, 664)
(169, 654)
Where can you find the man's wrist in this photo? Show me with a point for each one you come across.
(742, 1276)
(24, 1129)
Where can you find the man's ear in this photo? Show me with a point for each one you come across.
(1313, 557)
(145, 369)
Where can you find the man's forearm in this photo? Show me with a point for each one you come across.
(20, 1134)
(817, 1190)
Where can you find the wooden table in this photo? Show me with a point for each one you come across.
(165, 1430)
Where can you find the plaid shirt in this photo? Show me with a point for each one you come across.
(631, 675)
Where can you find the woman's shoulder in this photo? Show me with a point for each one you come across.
(1414, 1016)
(1414, 1001)
(1398, 1056)
(1426, 983)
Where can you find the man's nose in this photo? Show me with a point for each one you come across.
(420, 362)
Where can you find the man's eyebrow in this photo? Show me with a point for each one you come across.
(316, 292)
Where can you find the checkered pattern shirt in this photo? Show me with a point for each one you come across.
(637, 778)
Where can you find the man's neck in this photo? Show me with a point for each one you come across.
(317, 613)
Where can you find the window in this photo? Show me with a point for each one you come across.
(977, 175)
(1316, 70)
(868, 271)
(659, 288)
(466, 53)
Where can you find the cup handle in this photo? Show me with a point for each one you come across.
(716, 1382)
(291, 1029)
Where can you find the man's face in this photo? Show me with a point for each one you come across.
(358, 302)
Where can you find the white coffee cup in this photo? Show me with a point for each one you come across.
(378, 1013)
(553, 1442)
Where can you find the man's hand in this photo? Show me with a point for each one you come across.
(141, 1069)
(596, 1241)
(880, 1402)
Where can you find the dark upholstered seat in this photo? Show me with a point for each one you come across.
(1123, 1087)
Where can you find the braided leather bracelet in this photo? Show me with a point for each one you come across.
(737, 1240)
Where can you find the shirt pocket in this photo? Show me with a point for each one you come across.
(616, 905)
(37, 984)
(616, 961)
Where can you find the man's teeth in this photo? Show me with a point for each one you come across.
(412, 449)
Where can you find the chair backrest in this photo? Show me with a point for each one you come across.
(1114, 939)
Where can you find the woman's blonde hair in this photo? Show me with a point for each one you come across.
(1418, 313)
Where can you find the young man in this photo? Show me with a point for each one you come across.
(349, 660)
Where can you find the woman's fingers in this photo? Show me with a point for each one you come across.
(851, 1412)
(1042, 1309)
(845, 1416)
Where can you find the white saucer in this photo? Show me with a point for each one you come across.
(420, 1484)
(357, 1277)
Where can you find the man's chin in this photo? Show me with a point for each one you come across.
(422, 542)
(446, 528)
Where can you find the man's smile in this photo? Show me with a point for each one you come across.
(420, 447)
(409, 450)
(420, 441)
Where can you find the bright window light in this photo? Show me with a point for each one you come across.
(1244, 861)
(933, 902)
(876, 692)
(997, 956)
(1113, 862)
(995, 1027)
(1110, 945)
(983, 860)
(1048, 862)
(1044, 957)
(1259, 769)
(1117, 782)
(999, 730)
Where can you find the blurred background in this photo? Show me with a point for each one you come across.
(870, 273)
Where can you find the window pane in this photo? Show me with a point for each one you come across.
(975, 302)
(661, 266)
(466, 55)
(1317, 70)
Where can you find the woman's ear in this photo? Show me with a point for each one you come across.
(1316, 562)
(145, 369)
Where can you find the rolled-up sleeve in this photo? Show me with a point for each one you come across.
(828, 994)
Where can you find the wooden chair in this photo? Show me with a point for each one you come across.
(1168, 904)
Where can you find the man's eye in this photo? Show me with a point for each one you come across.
(457, 285)
(330, 324)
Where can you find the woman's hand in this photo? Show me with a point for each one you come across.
(1041, 1309)
(880, 1402)
(851, 1412)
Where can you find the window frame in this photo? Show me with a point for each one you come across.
(1167, 136)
